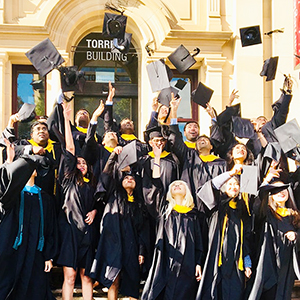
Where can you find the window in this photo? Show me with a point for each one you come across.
(23, 92)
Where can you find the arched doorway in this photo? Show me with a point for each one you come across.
(95, 57)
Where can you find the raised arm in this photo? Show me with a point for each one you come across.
(68, 133)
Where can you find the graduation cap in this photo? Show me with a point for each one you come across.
(26, 112)
(165, 96)
(128, 156)
(273, 188)
(180, 84)
(250, 36)
(226, 115)
(288, 135)
(44, 57)
(242, 128)
(71, 79)
(151, 133)
(182, 59)
(269, 68)
(37, 84)
(114, 25)
(122, 45)
(202, 95)
(169, 71)
(248, 180)
(158, 75)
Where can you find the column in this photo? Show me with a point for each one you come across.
(214, 15)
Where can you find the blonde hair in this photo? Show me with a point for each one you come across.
(188, 200)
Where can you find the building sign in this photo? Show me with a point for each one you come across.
(99, 49)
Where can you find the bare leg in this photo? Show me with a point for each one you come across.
(69, 281)
(113, 290)
(87, 286)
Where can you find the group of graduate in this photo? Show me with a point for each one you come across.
(174, 214)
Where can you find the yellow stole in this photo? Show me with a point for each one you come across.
(128, 137)
(208, 158)
(182, 209)
(50, 149)
(283, 211)
(109, 149)
(190, 144)
(233, 205)
(86, 179)
(130, 198)
(84, 130)
(163, 154)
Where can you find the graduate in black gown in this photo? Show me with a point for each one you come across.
(124, 233)
(27, 231)
(277, 226)
(76, 227)
(227, 262)
(176, 264)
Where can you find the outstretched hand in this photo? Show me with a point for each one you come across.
(111, 92)
(233, 96)
(99, 110)
(10, 151)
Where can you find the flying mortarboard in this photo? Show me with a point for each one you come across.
(250, 36)
(269, 68)
(122, 45)
(202, 95)
(182, 59)
(37, 84)
(169, 71)
(128, 156)
(44, 57)
(226, 115)
(158, 75)
(273, 188)
(248, 181)
(114, 25)
(26, 112)
(288, 135)
(180, 84)
(165, 96)
(242, 128)
(71, 79)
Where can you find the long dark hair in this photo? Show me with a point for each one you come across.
(78, 175)
(248, 160)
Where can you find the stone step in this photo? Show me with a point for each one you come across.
(98, 294)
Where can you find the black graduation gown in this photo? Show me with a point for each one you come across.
(169, 168)
(77, 239)
(124, 235)
(226, 281)
(276, 263)
(22, 273)
(178, 249)
(46, 178)
(195, 172)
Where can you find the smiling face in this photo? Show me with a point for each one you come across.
(239, 152)
(40, 134)
(203, 143)
(158, 141)
(281, 197)
(162, 113)
(191, 131)
(82, 166)
(128, 182)
(232, 188)
(178, 188)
